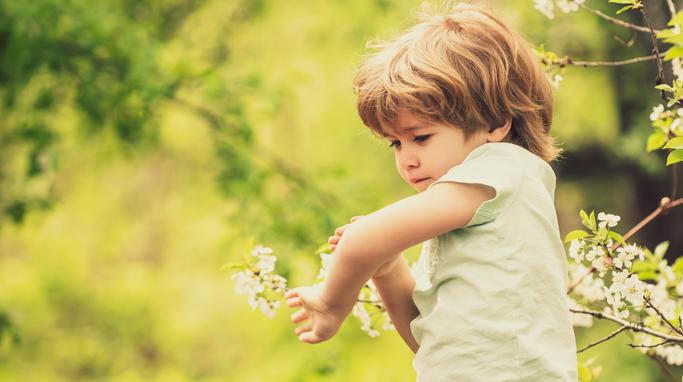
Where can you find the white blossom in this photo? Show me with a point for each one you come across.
(608, 220)
(266, 263)
(656, 112)
(261, 250)
(672, 354)
(600, 264)
(545, 7)
(362, 314)
(634, 290)
(676, 68)
(676, 125)
(574, 250)
(569, 5)
(626, 254)
(246, 283)
(325, 262)
(578, 319)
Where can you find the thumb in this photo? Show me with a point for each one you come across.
(353, 219)
(309, 337)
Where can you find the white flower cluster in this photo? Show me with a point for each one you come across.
(262, 287)
(615, 289)
(547, 7)
(369, 306)
(674, 117)
(660, 297)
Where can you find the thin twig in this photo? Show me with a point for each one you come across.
(616, 21)
(672, 7)
(598, 342)
(664, 204)
(655, 47)
(661, 315)
(649, 346)
(636, 328)
(586, 64)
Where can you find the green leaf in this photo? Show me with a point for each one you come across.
(676, 19)
(584, 219)
(678, 266)
(674, 52)
(674, 143)
(661, 248)
(647, 275)
(664, 87)
(674, 157)
(676, 39)
(624, 9)
(617, 237)
(632, 2)
(594, 225)
(645, 266)
(655, 141)
(575, 235)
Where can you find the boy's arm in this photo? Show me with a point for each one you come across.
(395, 287)
(381, 236)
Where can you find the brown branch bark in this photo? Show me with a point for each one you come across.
(616, 21)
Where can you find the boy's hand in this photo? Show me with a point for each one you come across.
(333, 240)
(321, 322)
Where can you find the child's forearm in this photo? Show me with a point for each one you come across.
(354, 262)
(396, 290)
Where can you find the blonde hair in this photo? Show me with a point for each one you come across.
(466, 69)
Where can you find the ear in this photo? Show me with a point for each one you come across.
(497, 134)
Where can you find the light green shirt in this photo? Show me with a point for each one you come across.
(491, 295)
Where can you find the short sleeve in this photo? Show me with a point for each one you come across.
(495, 165)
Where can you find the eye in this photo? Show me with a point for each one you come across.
(422, 138)
(395, 143)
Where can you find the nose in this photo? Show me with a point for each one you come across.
(407, 158)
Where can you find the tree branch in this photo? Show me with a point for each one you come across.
(655, 47)
(634, 327)
(616, 21)
(614, 333)
(672, 7)
(585, 64)
(661, 315)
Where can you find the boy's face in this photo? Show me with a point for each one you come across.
(426, 150)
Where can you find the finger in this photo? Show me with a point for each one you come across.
(309, 337)
(299, 316)
(341, 229)
(294, 302)
(291, 293)
(332, 247)
(333, 239)
(353, 219)
(304, 328)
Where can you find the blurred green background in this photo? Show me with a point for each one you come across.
(142, 144)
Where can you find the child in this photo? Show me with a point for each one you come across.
(467, 109)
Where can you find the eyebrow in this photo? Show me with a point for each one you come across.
(406, 130)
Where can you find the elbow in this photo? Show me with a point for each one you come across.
(353, 246)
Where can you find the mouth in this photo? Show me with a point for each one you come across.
(416, 181)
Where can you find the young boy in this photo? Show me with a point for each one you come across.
(467, 110)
